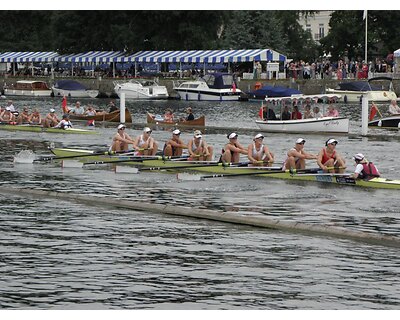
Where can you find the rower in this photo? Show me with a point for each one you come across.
(233, 149)
(328, 157)
(35, 118)
(199, 149)
(258, 153)
(364, 169)
(174, 146)
(7, 116)
(51, 119)
(145, 143)
(121, 139)
(23, 117)
(296, 157)
(64, 123)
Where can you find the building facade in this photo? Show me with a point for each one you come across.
(317, 24)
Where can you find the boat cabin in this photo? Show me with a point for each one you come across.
(31, 85)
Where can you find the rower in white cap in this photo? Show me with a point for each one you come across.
(199, 149)
(329, 158)
(145, 143)
(258, 153)
(121, 139)
(174, 146)
(296, 157)
(233, 149)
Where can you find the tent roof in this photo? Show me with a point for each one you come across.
(27, 56)
(209, 56)
(91, 56)
(397, 53)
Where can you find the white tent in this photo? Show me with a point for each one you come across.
(397, 61)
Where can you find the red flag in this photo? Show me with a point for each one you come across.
(373, 111)
(64, 105)
(261, 112)
(234, 87)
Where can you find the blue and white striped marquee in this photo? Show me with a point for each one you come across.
(207, 56)
(91, 56)
(27, 57)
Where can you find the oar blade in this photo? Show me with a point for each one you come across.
(126, 169)
(71, 164)
(25, 157)
(184, 176)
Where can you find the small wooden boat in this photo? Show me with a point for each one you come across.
(157, 119)
(386, 122)
(36, 128)
(103, 116)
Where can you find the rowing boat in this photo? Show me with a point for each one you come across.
(36, 128)
(155, 119)
(113, 116)
(338, 179)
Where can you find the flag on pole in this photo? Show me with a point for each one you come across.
(373, 112)
(64, 105)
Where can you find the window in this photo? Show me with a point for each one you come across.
(321, 30)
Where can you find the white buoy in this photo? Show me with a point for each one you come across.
(364, 115)
(380, 123)
(122, 108)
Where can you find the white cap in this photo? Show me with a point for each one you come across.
(197, 134)
(8, 108)
(257, 136)
(232, 135)
(358, 156)
(331, 141)
(176, 132)
(52, 110)
(121, 126)
(300, 140)
(147, 129)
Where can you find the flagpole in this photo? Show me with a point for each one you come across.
(366, 36)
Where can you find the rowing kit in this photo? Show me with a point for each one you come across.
(201, 170)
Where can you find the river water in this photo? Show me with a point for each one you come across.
(58, 254)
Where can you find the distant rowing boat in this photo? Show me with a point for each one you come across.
(36, 128)
(218, 168)
(110, 117)
(199, 122)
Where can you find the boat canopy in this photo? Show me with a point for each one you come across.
(69, 85)
(219, 80)
(271, 91)
(28, 56)
(207, 56)
(358, 86)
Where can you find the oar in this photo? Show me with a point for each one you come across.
(134, 158)
(100, 153)
(265, 171)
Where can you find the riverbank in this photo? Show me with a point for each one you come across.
(106, 85)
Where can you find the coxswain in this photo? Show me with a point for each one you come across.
(199, 149)
(145, 143)
(258, 153)
(329, 158)
(364, 169)
(121, 139)
(174, 146)
(64, 123)
(297, 156)
(233, 149)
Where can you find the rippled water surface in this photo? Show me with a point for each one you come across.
(59, 254)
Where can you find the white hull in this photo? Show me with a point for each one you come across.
(355, 96)
(135, 91)
(75, 93)
(325, 124)
(209, 95)
(28, 93)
